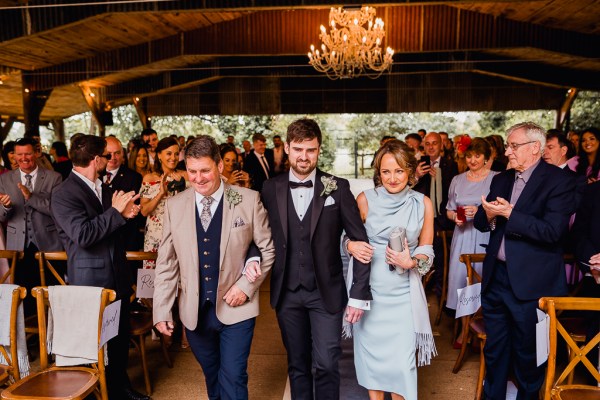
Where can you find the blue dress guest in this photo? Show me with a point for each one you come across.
(384, 339)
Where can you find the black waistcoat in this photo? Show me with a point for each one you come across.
(299, 270)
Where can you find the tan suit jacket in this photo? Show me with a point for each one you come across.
(178, 257)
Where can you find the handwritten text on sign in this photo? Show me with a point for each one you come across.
(110, 322)
(469, 300)
(145, 284)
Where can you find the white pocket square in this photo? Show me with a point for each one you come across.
(238, 222)
(329, 201)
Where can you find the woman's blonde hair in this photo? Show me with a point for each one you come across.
(404, 156)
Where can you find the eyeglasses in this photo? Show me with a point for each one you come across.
(515, 146)
(107, 156)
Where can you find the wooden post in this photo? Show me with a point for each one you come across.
(141, 106)
(89, 96)
(565, 109)
(33, 104)
(8, 124)
(59, 129)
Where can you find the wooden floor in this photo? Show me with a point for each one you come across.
(267, 367)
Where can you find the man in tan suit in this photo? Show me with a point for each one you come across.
(208, 231)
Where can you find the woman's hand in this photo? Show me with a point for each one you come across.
(362, 251)
(163, 190)
(238, 178)
(470, 211)
(400, 259)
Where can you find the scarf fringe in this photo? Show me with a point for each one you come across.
(24, 367)
(425, 345)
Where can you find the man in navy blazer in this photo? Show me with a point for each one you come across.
(527, 212)
(89, 217)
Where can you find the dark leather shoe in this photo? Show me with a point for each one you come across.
(130, 394)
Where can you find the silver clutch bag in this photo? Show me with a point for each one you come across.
(396, 243)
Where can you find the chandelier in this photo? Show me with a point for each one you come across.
(353, 45)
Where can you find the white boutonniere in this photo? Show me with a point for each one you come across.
(233, 197)
(330, 185)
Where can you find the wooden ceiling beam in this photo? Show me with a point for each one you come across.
(290, 33)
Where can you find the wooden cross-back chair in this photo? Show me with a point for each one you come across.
(45, 259)
(10, 370)
(11, 256)
(472, 325)
(446, 236)
(141, 323)
(557, 386)
(61, 383)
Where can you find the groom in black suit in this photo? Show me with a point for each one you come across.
(308, 210)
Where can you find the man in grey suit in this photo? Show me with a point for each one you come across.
(25, 208)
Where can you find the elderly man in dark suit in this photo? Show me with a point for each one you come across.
(89, 217)
(25, 198)
(527, 212)
(308, 209)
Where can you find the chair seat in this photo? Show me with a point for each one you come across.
(478, 326)
(141, 322)
(63, 383)
(576, 392)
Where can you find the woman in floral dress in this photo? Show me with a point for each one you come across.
(157, 186)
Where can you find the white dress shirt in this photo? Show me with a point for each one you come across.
(95, 186)
(303, 196)
(33, 177)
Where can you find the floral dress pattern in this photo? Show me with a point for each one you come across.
(154, 222)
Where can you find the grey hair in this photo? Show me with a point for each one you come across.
(533, 131)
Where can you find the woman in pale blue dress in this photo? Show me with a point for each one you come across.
(466, 190)
(387, 336)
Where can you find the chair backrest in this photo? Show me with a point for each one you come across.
(12, 256)
(445, 236)
(12, 359)
(44, 261)
(140, 256)
(552, 305)
(468, 259)
(42, 300)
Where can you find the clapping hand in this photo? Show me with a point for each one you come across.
(5, 200)
(124, 203)
(24, 190)
(498, 208)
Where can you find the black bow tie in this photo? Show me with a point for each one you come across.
(296, 185)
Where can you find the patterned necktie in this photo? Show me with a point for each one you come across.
(265, 165)
(28, 183)
(108, 176)
(205, 215)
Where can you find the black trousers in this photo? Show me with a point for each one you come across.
(312, 337)
(118, 356)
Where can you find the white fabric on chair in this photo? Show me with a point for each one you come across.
(6, 292)
(73, 324)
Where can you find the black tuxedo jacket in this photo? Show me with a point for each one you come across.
(326, 226)
(128, 180)
(449, 170)
(89, 232)
(534, 233)
(254, 168)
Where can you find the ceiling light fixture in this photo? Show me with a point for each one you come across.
(353, 46)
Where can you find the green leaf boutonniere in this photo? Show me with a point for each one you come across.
(233, 197)
(330, 185)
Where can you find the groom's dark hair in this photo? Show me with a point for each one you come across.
(303, 129)
(203, 146)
